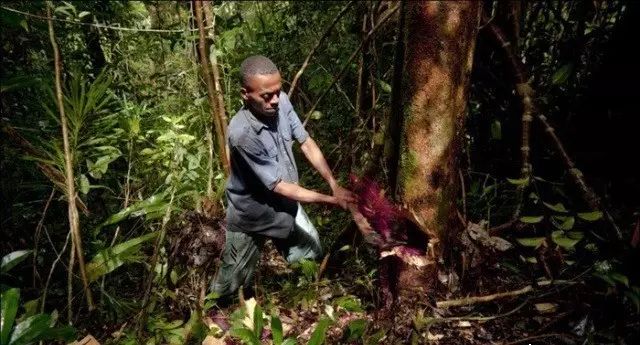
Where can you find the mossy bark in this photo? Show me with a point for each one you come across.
(440, 50)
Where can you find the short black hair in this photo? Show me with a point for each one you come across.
(255, 65)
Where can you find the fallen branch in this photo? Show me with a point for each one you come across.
(318, 43)
(489, 298)
(382, 20)
(480, 318)
(482, 299)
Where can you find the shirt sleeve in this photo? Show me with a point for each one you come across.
(256, 158)
(297, 129)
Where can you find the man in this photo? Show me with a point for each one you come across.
(262, 192)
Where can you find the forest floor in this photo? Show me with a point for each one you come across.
(504, 309)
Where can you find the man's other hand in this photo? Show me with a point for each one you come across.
(343, 197)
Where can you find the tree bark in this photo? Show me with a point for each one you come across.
(211, 24)
(442, 36)
(217, 108)
(74, 219)
(397, 109)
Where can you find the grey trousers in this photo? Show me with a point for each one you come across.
(242, 251)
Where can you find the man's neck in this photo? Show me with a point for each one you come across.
(267, 120)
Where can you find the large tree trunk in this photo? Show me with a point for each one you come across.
(440, 48)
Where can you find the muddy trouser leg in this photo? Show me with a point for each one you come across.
(237, 267)
(303, 242)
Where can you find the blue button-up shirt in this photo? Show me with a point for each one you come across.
(261, 156)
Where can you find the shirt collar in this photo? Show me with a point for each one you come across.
(255, 123)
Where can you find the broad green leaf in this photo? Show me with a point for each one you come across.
(376, 338)
(9, 309)
(289, 341)
(246, 335)
(140, 208)
(496, 130)
(559, 207)
(605, 277)
(562, 75)
(84, 184)
(109, 259)
(344, 248)
(356, 329)
(563, 223)
(319, 334)
(534, 242)
(30, 329)
(99, 168)
(517, 182)
(174, 277)
(10, 260)
(30, 307)
(18, 82)
(619, 277)
(309, 268)
(563, 241)
(66, 333)
(316, 115)
(531, 219)
(384, 86)
(349, 303)
(635, 299)
(533, 196)
(590, 216)
(276, 330)
(24, 25)
(576, 235)
(258, 322)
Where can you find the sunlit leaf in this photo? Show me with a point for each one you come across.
(12, 259)
(319, 333)
(517, 182)
(109, 259)
(562, 75)
(9, 309)
(590, 216)
(531, 219)
(559, 207)
(534, 242)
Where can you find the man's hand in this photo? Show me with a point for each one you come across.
(343, 196)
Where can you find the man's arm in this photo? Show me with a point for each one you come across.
(301, 194)
(316, 158)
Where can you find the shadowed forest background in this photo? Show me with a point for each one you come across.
(493, 146)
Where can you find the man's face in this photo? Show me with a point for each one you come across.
(261, 93)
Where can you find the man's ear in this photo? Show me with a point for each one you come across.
(243, 93)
